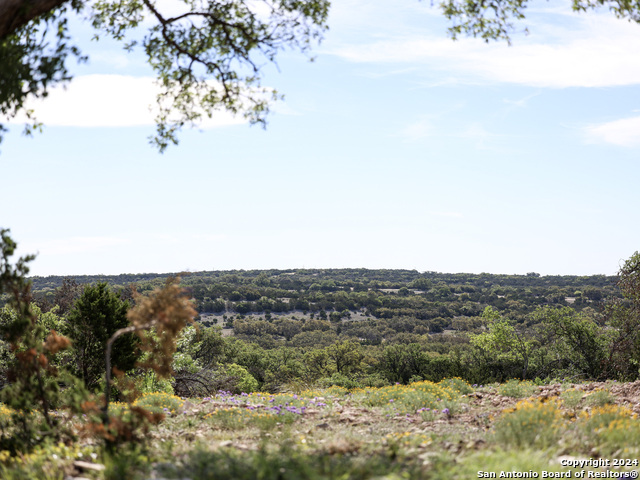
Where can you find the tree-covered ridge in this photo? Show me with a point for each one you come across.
(370, 327)
(343, 276)
(376, 293)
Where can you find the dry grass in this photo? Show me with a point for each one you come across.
(361, 434)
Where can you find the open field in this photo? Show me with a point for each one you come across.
(423, 430)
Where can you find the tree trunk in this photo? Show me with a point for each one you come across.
(17, 13)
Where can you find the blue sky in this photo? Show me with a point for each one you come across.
(395, 148)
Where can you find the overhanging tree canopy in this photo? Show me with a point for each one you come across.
(495, 19)
(210, 55)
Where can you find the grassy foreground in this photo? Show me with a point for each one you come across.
(423, 430)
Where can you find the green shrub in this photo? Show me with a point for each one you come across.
(608, 429)
(457, 384)
(5, 415)
(159, 402)
(592, 421)
(245, 382)
(419, 397)
(96, 315)
(339, 380)
(374, 380)
(571, 398)
(429, 414)
(149, 382)
(337, 391)
(517, 389)
(621, 437)
(529, 424)
(236, 418)
(288, 463)
(126, 463)
(444, 468)
(47, 461)
(600, 398)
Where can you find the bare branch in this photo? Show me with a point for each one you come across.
(114, 337)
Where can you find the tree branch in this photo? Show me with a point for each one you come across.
(114, 337)
(17, 13)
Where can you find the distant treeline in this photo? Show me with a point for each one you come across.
(437, 301)
(353, 327)
(379, 278)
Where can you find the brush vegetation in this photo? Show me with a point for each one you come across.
(316, 374)
(421, 430)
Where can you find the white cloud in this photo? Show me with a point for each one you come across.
(598, 50)
(107, 101)
(624, 132)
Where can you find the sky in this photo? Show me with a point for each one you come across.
(395, 148)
